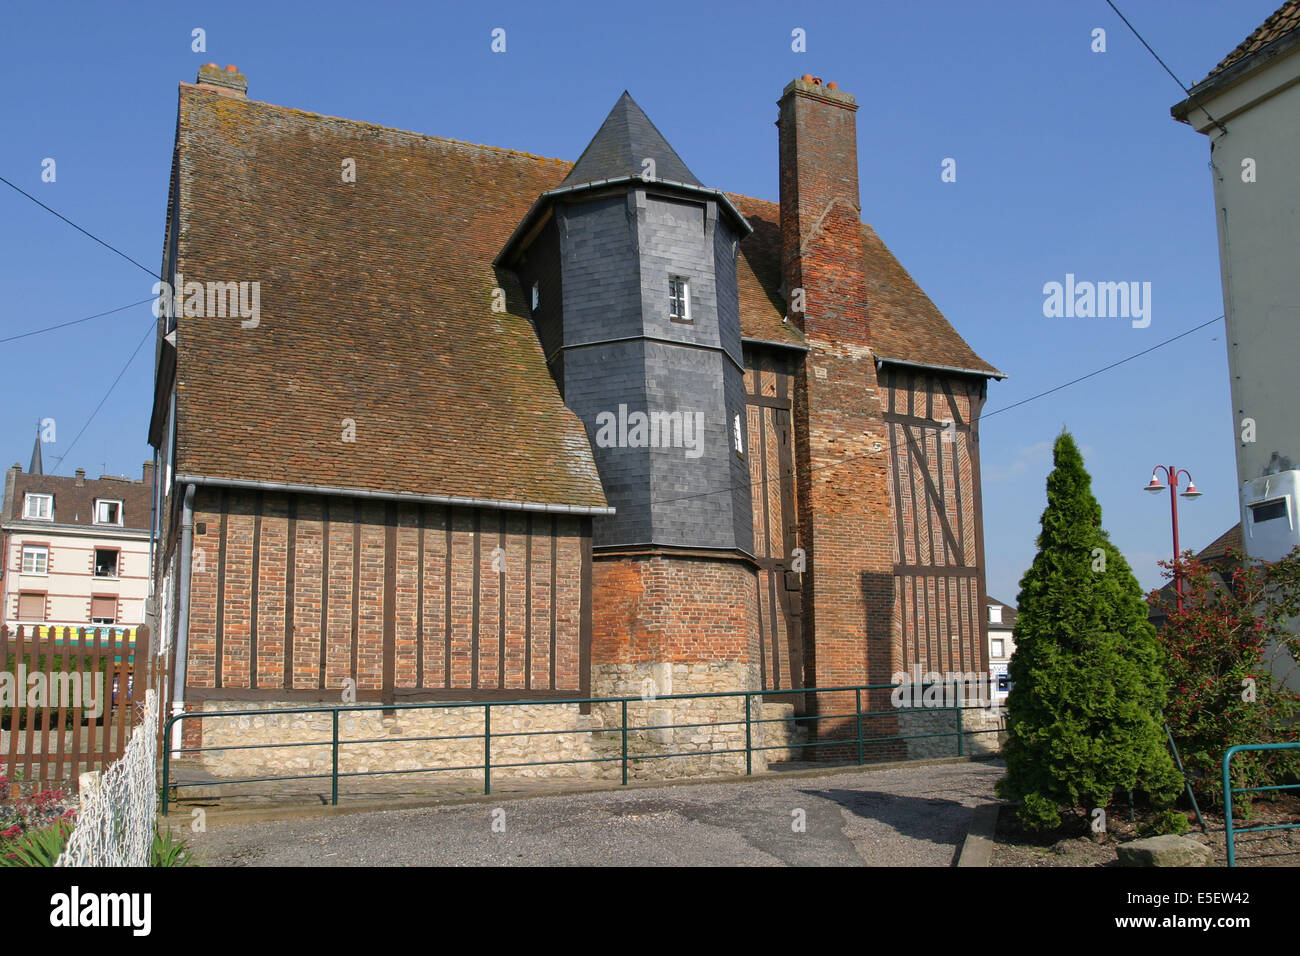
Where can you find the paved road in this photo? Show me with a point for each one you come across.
(906, 816)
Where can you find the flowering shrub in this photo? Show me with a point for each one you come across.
(1221, 690)
(23, 815)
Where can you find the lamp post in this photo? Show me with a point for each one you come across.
(1155, 487)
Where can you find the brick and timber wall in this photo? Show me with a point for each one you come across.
(769, 398)
(933, 422)
(293, 595)
(844, 507)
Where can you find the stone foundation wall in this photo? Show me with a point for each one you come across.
(920, 720)
(701, 730)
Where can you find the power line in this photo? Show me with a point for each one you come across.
(1180, 83)
(1031, 398)
(152, 328)
(84, 232)
(1107, 368)
(64, 325)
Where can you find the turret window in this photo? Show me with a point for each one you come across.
(679, 299)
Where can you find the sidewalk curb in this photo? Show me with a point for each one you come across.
(978, 848)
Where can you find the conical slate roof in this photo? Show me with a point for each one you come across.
(37, 466)
(623, 142)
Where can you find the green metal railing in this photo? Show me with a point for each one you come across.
(335, 743)
(1229, 790)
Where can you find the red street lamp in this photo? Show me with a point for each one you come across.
(1155, 487)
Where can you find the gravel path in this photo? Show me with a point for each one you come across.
(906, 816)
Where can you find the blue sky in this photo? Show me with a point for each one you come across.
(1067, 162)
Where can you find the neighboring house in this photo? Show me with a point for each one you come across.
(1214, 554)
(511, 427)
(75, 551)
(1249, 107)
(1002, 644)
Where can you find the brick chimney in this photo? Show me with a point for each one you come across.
(227, 82)
(81, 477)
(146, 474)
(845, 518)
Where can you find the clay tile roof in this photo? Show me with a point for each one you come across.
(76, 505)
(758, 274)
(1219, 546)
(376, 307)
(905, 324)
(1285, 19)
(623, 142)
(376, 298)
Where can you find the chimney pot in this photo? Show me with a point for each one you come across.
(807, 77)
(231, 68)
(832, 85)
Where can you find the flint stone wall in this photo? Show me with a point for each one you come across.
(708, 733)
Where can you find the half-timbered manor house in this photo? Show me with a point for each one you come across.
(510, 427)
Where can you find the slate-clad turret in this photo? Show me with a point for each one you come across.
(630, 268)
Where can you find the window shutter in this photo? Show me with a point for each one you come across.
(31, 607)
(103, 607)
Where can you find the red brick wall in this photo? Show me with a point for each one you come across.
(844, 507)
(362, 591)
(844, 496)
(666, 608)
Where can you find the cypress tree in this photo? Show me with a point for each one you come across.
(1084, 712)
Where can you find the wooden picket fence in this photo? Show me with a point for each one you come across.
(58, 716)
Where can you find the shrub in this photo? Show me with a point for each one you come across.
(1084, 712)
(1222, 691)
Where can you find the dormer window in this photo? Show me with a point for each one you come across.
(108, 511)
(679, 299)
(38, 507)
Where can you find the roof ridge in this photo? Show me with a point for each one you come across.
(389, 129)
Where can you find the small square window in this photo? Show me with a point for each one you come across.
(679, 299)
(103, 610)
(1268, 510)
(31, 607)
(40, 507)
(999, 649)
(108, 512)
(36, 559)
(105, 563)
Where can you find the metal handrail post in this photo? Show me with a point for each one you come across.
(961, 736)
(487, 749)
(334, 760)
(167, 761)
(857, 693)
(749, 752)
(625, 741)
